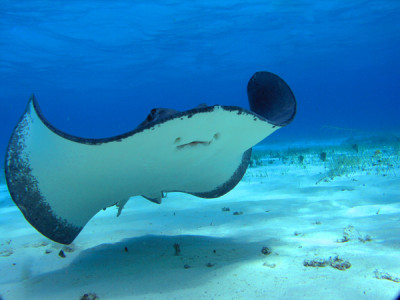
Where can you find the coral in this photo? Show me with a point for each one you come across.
(350, 233)
(387, 276)
(334, 262)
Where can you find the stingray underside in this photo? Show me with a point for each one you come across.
(59, 181)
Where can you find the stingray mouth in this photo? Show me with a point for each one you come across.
(195, 144)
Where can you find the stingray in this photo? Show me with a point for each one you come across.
(60, 181)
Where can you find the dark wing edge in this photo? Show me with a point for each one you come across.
(24, 191)
(232, 182)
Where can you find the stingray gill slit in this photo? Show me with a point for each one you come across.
(196, 143)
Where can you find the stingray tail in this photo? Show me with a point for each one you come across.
(271, 97)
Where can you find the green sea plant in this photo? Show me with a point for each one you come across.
(256, 159)
(322, 156)
(331, 161)
(343, 164)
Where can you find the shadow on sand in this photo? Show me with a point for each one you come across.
(147, 264)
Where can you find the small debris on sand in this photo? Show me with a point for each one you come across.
(61, 254)
(350, 233)
(89, 296)
(5, 253)
(37, 245)
(69, 248)
(272, 266)
(209, 265)
(266, 251)
(237, 213)
(334, 262)
(387, 276)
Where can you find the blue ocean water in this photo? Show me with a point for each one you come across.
(98, 67)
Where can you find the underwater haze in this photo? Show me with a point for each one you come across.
(98, 67)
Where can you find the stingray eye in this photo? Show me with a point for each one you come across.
(177, 140)
(216, 136)
(151, 115)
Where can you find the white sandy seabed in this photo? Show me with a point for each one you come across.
(300, 225)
